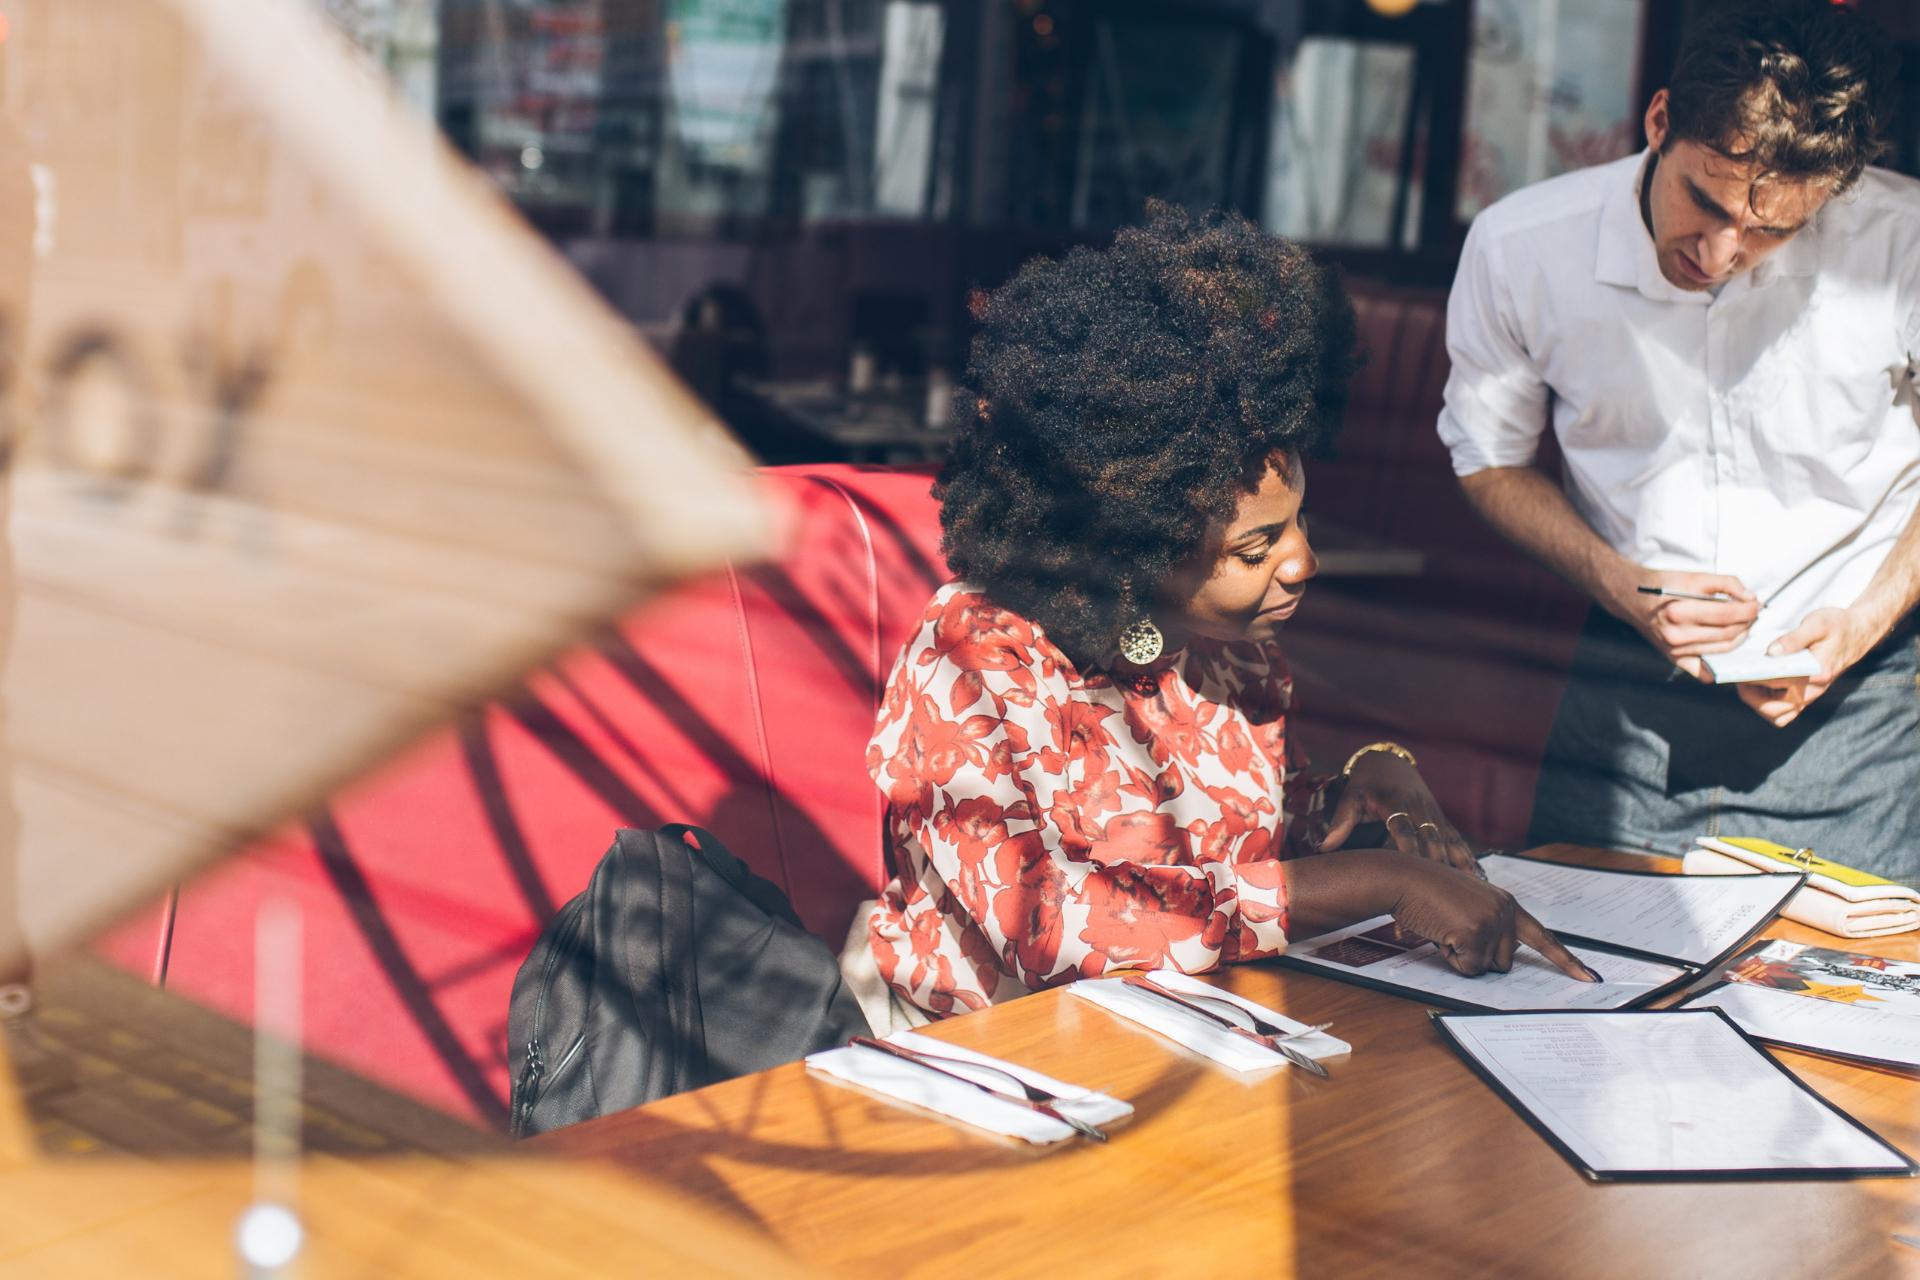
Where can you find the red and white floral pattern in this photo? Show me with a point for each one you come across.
(1046, 825)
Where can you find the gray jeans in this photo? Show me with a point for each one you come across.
(1643, 756)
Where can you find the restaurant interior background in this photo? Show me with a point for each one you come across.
(794, 201)
(789, 192)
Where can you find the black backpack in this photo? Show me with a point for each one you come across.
(678, 967)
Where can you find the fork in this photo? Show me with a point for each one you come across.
(1034, 1098)
(1275, 1043)
(1272, 1030)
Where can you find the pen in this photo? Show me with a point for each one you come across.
(1718, 598)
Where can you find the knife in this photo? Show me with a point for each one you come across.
(1141, 982)
(1079, 1126)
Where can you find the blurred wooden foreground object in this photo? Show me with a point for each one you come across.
(136, 1167)
(311, 441)
(463, 1217)
(1404, 1163)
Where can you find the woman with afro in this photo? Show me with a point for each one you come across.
(1083, 747)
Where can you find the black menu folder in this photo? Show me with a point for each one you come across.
(1674, 1095)
(1645, 933)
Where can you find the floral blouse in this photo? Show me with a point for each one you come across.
(1045, 825)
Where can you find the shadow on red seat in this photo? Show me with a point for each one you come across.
(742, 702)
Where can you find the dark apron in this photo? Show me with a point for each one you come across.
(1643, 756)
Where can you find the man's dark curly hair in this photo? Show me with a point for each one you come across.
(1118, 404)
(1801, 88)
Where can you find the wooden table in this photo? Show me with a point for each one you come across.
(141, 1169)
(1404, 1164)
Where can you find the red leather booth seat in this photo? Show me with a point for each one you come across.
(742, 702)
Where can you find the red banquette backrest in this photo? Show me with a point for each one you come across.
(741, 702)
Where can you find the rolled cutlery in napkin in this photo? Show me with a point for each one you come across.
(1196, 1033)
(906, 1082)
(1860, 916)
(1847, 882)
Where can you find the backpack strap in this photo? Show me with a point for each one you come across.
(761, 892)
(654, 907)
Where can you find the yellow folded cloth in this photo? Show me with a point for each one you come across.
(1896, 910)
(1849, 882)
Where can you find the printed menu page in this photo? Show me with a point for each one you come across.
(1664, 1093)
(1840, 1002)
(1844, 1030)
(1380, 951)
(1692, 919)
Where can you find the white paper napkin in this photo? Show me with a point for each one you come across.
(1195, 1032)
(884, 1074)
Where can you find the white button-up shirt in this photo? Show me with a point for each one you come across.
(1770, 432)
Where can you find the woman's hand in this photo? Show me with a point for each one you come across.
(1477, 926)
(1385, 788)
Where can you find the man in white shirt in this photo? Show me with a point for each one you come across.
(1722, 332)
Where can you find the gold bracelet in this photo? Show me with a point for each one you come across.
(1392, 748)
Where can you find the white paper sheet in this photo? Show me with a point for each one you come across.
(1693, 919)
(1674, 1092)
(1377, 950)
(1851, 1031)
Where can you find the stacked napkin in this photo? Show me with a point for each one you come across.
(903, 1081)
(1836, 899)
(1196, 1033)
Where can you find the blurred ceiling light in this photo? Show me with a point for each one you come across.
(1392, 8)
(532, 158)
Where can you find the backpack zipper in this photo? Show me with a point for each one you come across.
(523, 1088)
(526, 1088)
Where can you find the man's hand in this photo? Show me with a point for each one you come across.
(1684, 630)
(1838, 637)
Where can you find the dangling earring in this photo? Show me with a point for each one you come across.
(1142, 642)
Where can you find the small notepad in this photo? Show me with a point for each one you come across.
(1742, 668)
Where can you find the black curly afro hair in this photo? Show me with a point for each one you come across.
(1118, 404)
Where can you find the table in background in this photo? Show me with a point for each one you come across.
(1405, 1163)
(890, 427)
(886, 425)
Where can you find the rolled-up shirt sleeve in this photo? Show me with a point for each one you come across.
(1496, 403)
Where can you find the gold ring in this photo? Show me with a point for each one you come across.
(1399, 814)
(1430, 826)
